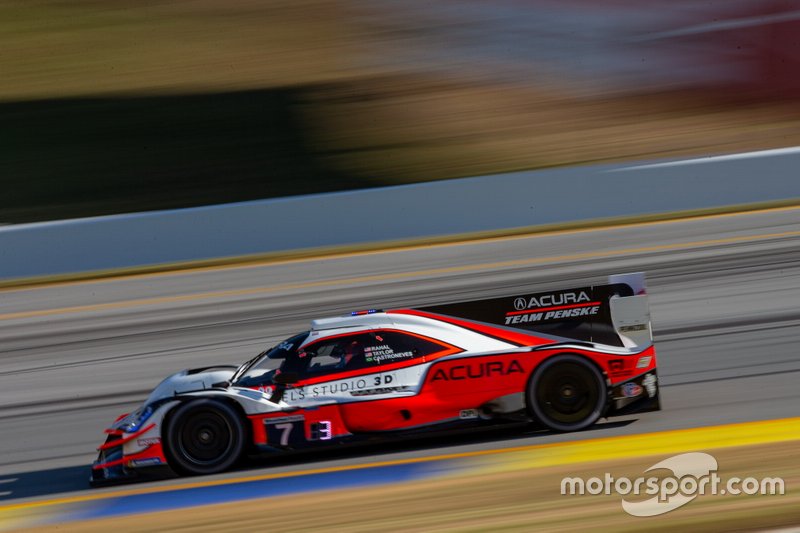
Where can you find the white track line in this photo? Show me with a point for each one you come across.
(721, 25)
(714, 159)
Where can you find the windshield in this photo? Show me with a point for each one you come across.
(259, 371)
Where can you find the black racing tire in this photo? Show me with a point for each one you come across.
(204, 437)
(566, 393)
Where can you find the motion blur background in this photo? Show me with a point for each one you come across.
(109, 107)
(118, 106)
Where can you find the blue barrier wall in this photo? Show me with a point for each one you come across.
(405, 212)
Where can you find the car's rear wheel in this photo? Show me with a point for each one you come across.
(567, 393)
(204, 437)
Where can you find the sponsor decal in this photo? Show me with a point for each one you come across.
(266, 389)
(380, 390)
(149, 461)
(631, 390)
(479, 370)
(468, 414)
(339, 387)
(550, 300)
(284, 419)
(148, 442)
(649, 383)
(616, 368)
(644, 362)
(634, 327)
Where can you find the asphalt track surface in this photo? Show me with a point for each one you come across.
(725, 300)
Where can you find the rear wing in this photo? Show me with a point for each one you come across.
(615, 314)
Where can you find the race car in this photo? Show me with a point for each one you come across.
(559, 359)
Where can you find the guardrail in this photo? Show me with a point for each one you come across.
(485, 203)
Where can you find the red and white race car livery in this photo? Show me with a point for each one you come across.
(560, 359)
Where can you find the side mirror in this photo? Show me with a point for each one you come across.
(286, 378)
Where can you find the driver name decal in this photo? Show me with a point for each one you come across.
(384, 352)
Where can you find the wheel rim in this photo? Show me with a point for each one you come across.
(205, 438)
(568, 393)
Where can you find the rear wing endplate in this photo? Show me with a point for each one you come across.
(630, 315)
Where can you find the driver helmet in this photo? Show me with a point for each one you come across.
(352, 350)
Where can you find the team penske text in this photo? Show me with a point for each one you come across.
(549, 315)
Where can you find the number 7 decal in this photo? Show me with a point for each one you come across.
(286, 431)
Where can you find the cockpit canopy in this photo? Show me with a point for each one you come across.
(339, 352)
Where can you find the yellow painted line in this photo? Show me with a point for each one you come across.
(644, 445)
(533, 455)
(392, 276)
(250, 262)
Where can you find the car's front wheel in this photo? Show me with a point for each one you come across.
(204, 437)
(567, 393)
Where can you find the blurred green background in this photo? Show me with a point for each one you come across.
(109, 107)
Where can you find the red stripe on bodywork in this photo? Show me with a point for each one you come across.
(259, 431)
(554, 308)
(519, 338)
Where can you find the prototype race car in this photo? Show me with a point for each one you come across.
(560, 359)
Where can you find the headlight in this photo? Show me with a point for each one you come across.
(135, 420)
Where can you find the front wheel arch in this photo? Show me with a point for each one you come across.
(186, 453)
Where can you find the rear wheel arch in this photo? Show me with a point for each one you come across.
(534, 383)
(585, 358)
